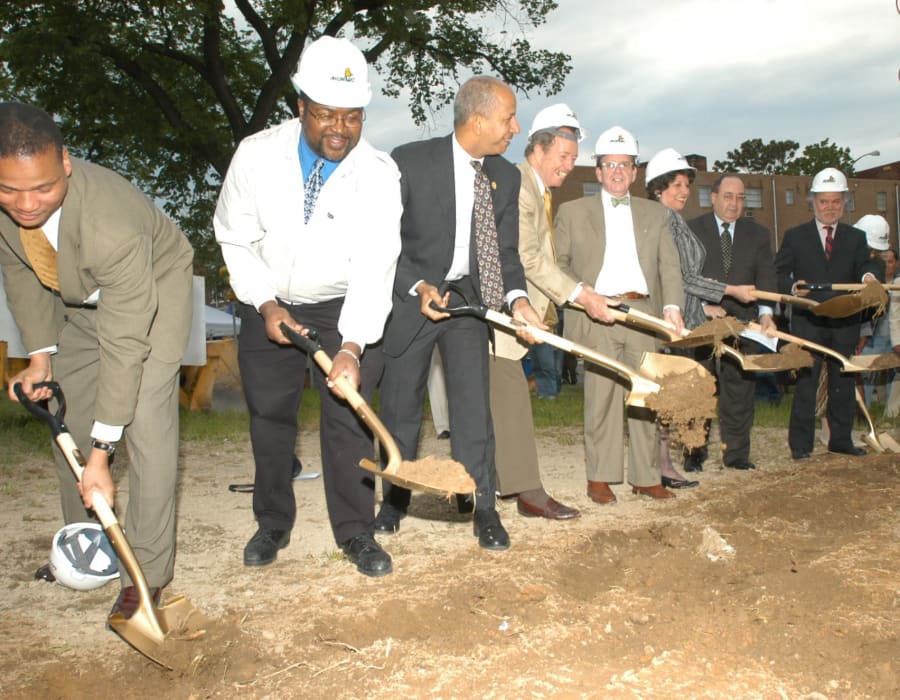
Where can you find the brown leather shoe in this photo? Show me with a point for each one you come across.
(655, 491)
(129, 600)
(599, 492)
(537, 503)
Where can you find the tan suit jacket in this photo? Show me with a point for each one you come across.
(546, 282)
(581, 244)
(113, 239)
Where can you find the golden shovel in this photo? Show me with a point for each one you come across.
(861, 297)
(880, 442)
(147, 628)
(430, 474)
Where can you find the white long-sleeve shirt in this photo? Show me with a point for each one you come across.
(348, 249)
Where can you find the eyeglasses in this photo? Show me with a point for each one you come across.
(731, 196)
(352, 120)
(612, 165)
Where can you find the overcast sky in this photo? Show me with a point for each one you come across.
(701, 76)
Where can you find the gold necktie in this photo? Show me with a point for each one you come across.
(41, 255)
(550, 317)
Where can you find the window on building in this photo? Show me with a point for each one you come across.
(881, 201)
(753, 198)
(589, 189)
(789, 197)
(703, 193)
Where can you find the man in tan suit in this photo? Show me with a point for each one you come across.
(622, 247)
(549, 157)
(99, 283)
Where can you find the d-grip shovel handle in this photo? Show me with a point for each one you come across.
(308, 343)
(41, 409)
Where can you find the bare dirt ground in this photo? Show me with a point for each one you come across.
(625, 602)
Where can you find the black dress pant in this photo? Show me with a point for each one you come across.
(273, 377)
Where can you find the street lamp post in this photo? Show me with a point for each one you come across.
(870, 153)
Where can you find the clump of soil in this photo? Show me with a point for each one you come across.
(790, 356)
(711, 332)
(438, 475)
(876, 362)
(684, 403)
(872, 296)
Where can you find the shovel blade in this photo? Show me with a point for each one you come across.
(842, 306)
(873, 363)
(657, 365)
(149, 627)
(431, 475)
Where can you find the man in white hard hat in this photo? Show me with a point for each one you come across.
(824, 250)
(460, 224)
(875, 334)
(550, 156)
(309, 224)
(738, 251)
(619, 246)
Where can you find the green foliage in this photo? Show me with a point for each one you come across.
(23, 435)
(163, 91)
(778, 158)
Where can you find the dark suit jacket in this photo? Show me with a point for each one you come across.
(427, 229)
(751, 260)
(802, 257)
(113, 239)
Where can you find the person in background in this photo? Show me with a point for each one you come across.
(668, 180)
(309, 224)
(98, 280)
(875, 333)
(739, 253)
(824, 250)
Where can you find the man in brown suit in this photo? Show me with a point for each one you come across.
(99, 283)
(622, 248)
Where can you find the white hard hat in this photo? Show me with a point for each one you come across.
(668, 160)
(552, 117)
(82, 557)
(877, 231)
(829, 180)
(333, 72)
(616, 142)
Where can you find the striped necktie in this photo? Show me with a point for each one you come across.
(41, 255)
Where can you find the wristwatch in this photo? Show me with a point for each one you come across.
(108, 447)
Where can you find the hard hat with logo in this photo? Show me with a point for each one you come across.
(82, 557)
(616, 141)
(829, 180)
(668, 160)
(333, 72)
(555, 116)
(877, 231)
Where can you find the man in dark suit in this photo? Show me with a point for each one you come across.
(738, 251)
(824, 250)
(99, 283)
(439, 180)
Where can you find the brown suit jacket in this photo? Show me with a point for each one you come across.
(113, 239)
(581, 244)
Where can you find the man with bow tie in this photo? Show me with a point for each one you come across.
(621, 248)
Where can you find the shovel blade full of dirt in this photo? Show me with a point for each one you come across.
(430, 474)
(859, 298)
(148, 629)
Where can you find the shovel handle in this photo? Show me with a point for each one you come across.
(842, 287)
(41, 409)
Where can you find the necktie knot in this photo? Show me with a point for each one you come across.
(616, 201)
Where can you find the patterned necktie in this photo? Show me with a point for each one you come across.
(829, 242)
(616, 201)
(726, 247)
(311, 190)
(487, 248)
(41, 255)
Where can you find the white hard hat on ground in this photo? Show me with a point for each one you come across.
(668, 160)
(877, 231)
(555, 116)
(333, 72)
(82, 557)
(616, 141)
(829, 180)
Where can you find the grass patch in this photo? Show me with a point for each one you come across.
(567, 409)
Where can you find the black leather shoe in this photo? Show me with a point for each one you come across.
(490, 532)
(388, 518)
(692, 463)
(44, 574)
(367, 554)
(263, 547)
(444, 435)
(852, 450)
(799, 454)
(464, 504)
(742, 464)
(678, 483)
